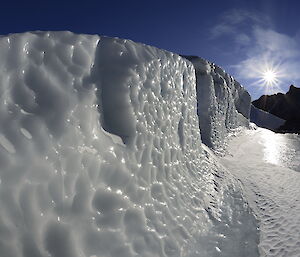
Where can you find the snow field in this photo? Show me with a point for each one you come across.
(101, 154)
(262, 161)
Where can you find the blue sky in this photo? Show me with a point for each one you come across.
(244, 37)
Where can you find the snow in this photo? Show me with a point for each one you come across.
(101, 153)
(264, 119)
(223, 104)
(268, 166)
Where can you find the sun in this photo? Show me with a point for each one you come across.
(266, 74)
(269, 77)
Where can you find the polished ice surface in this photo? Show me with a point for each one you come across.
(101, 155)
(282, 149)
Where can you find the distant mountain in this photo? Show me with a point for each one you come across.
(285, 106)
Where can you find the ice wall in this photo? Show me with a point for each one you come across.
(223, 104)
(264, 119)
(100, 154)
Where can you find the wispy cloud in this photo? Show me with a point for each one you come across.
(232, 22)
(261, 48)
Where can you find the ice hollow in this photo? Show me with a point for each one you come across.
(101, 153)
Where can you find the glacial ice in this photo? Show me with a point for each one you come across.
(101, 153)
(223, 104)
(264, 119)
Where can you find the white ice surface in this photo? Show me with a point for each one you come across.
(223, 104)
(264, 119)
(268, 166)
(101, 155)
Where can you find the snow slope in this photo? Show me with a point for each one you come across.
(101, 155)
(268, 166)
(264, 119)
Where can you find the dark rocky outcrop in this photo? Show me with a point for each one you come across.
(285, 106)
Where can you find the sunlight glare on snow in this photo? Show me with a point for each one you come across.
(281, 149)
(273, 146)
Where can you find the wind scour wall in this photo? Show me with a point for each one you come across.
(101, 154)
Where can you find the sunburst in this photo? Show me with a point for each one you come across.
(269, 76)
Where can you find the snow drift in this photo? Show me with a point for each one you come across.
(101, 154)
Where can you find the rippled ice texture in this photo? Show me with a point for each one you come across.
(101, 155)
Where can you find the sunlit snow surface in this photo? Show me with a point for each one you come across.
(282, 149)
(268, 165)
(101, 155)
